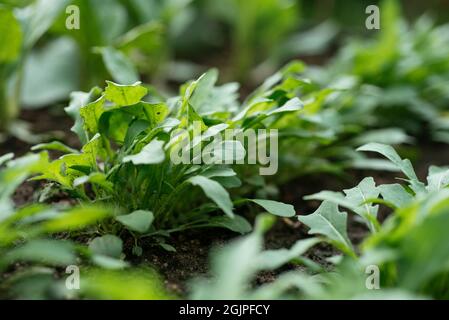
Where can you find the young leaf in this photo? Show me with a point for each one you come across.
(277, 208)
(139, 221)
(395, 194)
(329, 222)
(77, 218)
(359, 195)
(437, 179)
(124, 95)
(119, 66)
(96, 178)
(214, 191)
(236, 224)
(77, 101)
(55, 145)
(152, 153)
(290, 106)
(91, 114)
(404, 165)
(107, 245)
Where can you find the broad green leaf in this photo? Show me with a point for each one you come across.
(119, 124)
(229, 182)
(404, 165)
(332, 196)
(136, 128)
(290, 106)
(94, 149)
(152, 153)
(55, 145)
(359, 196)
(77, 101)
(329, 222)
(203, 89)
(207, 98)
(139, 221)
(125, 95)
(107, 245)
(119, 66)
(214, 191)
(395, 194)
(437, 179)
(236, 224)
(110, 263)
(10, 37)
(51, 73)
(311, 42)
(145, 44)
(96, 178)
(62, 170)
(91, 114)
(219, 171)
(355, 199)
(277, 208)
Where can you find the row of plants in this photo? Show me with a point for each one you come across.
(409, 247)
(408, 250)
(123, 183)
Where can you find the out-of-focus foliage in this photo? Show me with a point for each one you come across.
(36, 247)
(398, 79)
(21, 29)
(409, 250)
(27, 254)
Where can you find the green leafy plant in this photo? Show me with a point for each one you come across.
(393, 246)
(126, 159)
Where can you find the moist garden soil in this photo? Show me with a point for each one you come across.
(193, 248)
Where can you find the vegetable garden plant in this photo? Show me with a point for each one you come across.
(125, 192)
